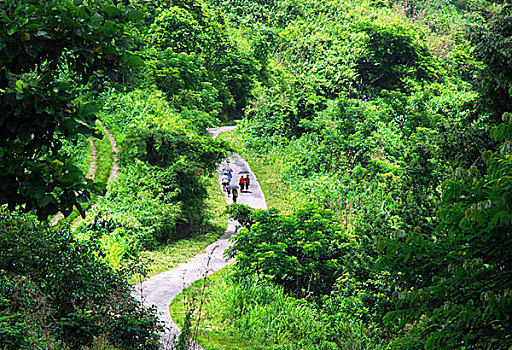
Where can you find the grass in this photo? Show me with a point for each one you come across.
(212, 335)
(103, 170)
(246, 315)
(267, 169)
(87, 159)
(170, 255)
(105, 157)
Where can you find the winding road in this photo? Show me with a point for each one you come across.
(161, 289)
(93, 168)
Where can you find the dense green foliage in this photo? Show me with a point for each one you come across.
(373, 105)
(47, 51)
(54, 291)
(384, 118)
(194, 61)
(300, 252)
(465, 285)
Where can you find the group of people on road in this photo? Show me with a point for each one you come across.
(243, 183)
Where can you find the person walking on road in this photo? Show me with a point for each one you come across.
(225, 182)
(241, 182)
(247, 182)
(235, 194)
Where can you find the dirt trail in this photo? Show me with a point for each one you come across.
(161, 289)
(113, 171)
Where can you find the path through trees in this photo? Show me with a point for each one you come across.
(161, 289)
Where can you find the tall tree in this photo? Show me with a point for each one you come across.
(48, 49)
(493, 46)
(454, 287)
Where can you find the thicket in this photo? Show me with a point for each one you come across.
(156, 87)
(373, 107)
(55, 293)
(161, 187)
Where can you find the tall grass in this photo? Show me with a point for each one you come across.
(249, 314)
(257, 309)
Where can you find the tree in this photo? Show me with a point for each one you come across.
(454, 288)
(305, 252)
(393, 53)
(492, 46)
(190, 28)
(47, 51)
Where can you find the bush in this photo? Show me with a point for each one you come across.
(453, 285)
(54, 290)
(305, 252)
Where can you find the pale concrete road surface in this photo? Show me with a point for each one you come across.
(161, 289)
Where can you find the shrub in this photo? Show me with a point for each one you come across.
(305, 252)
(54, 290)
(453, 286)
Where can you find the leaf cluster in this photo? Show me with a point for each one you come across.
(302, 252)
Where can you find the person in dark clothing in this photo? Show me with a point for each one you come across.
(235, 194)
(247, 182)
(241, 182)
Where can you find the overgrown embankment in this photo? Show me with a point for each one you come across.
(381, 113)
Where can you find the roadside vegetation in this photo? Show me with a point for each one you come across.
(386, 152)
(170, 255)
(103, 61)
(380, 131)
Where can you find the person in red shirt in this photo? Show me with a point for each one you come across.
(247, 182)
(241, 182)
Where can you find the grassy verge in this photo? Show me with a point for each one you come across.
(87, 159)
(103, 170)
(267, 168)
(169, 256)
(247, 314)
(211, 334)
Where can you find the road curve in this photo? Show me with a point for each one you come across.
(161, 289)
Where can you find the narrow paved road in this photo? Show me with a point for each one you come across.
(161, 289)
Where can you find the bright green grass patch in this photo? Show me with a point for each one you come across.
(267, 168)
(170, 255)
(103, 171)
(212, 335)
(247, 314)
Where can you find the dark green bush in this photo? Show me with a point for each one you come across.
(53, 288)
(305, 252)
(453, 285)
